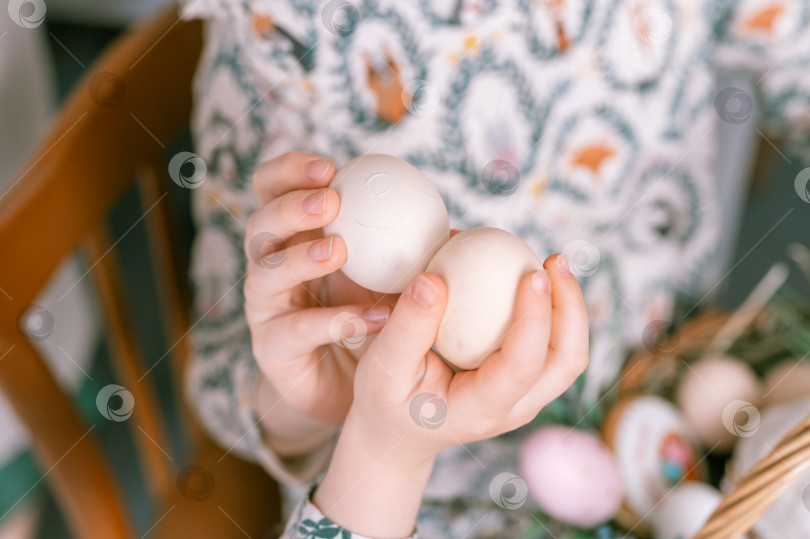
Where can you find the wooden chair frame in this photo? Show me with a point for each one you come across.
(111, 133)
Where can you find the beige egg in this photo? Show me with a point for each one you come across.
(787, 381)
(392, 220)
(719, 397)
(482, 268)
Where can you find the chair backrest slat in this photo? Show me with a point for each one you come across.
(71, 458)
(172, 295)
(97, 145)
(148, 427)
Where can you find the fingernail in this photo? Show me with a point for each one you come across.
(317, 169)
(423, 291)
(321, 250)
(315, 204)
(562, 263)
(540, 281)
(376, 314)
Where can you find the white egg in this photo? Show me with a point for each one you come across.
(391, 218)
(482, 268)
(683, 510)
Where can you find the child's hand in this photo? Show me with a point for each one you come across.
(409, 404)
(295, 301)
(545, 349)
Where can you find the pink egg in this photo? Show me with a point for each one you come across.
(571, 475)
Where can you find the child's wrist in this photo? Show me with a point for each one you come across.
(372, 489)
(395, 448)
(285, 430)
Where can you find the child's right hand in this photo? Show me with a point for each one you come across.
(295, 299)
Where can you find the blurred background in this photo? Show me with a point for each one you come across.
(38, 69)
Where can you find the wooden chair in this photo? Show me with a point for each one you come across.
(110, 135)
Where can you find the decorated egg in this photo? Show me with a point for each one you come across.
(683, 511)
(482, 268)
(715, 395)
(571, 475)
(655, 449)
(391, 218)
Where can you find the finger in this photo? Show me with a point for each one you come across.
(271, 272)
(568, 352)
(411, 329)
(299, 332)
(569, 318)
(513, 371)
(291, 171)
(454, 231)
(293, 212)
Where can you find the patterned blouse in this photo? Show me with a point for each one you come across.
(584, 127)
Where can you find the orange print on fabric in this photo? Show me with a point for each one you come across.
(562, 39)
(592, 156)
(263, 24)
(387, 86)
(472, 44)
(764, 19)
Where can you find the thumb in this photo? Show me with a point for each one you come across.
(411, 329)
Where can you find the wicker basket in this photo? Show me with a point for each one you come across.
(757, 330)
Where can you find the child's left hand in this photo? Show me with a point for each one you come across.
(409, 405)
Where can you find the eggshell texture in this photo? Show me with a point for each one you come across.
(482, 268)
(684, 510)
(788, 381)
(392, 220)
(571, 475)
(712, 394)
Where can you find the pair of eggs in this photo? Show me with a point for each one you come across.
(395, 225)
